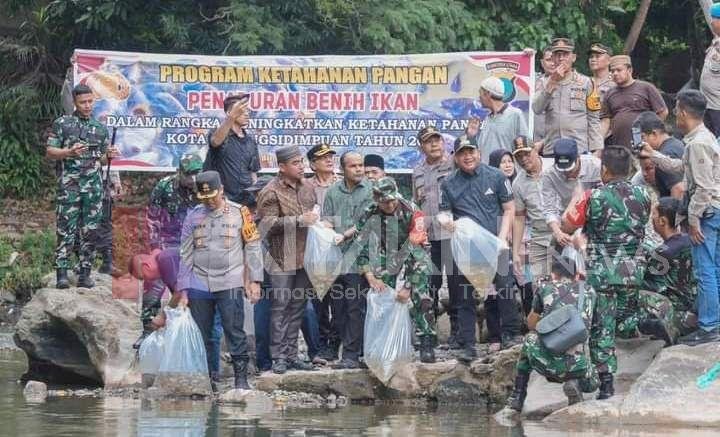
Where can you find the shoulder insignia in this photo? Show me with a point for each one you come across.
(249, 229)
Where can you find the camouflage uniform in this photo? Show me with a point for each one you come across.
(169, 204)
(615, 226)
(668, 290)
(575, 364)
(380, 235)
(80, 187)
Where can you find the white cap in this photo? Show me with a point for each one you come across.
(494, 86)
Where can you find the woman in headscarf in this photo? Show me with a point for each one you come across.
(502, 332)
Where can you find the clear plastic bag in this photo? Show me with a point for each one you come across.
(184, 346)
(388, 334)
(475, 251)
(151, 352)
(323, 258)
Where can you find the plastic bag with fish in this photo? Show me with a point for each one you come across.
(475, 251)
(388, 334)
(323, 258)
(151, 352)
(184, 346)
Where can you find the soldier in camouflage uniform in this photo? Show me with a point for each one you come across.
(574, 367)
(666, 304)
(615, 226)
(393, 228)
(171, 198)
(78, 143)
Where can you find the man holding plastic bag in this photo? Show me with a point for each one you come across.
(482, 194)
(220, 254)
(393, 231)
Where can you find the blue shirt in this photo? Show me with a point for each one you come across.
(479, 195)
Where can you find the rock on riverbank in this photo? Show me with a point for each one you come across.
(80, 335)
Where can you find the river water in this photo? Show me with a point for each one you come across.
(130, 417)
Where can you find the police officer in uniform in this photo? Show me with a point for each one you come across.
(220, 258)
(78, 143)
(396, 231)
(570, 102)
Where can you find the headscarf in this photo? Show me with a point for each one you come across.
(496, 156)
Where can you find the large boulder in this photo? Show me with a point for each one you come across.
(81, 334)
(665, 394)
(487, 380)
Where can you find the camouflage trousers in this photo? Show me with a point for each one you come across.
(650, 305)
(602, 332)
(557, 368)
(78, 215)
(422, 311)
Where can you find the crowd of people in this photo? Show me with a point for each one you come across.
(604, 216)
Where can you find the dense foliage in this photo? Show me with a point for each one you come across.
(39, 37)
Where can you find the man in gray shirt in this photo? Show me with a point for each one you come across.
(220, 256)
(502, 124)
(528, 212)
(571, 173)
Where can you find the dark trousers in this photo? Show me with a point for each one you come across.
(288, 297)
(327, 323)
(229, 303)
(441, 255)
(310, 330)
(348, 300)
(462, 299)
(712, 121)
(501, 311)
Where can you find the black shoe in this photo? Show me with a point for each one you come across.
(62, 279)
(606, 386)
(106, 267)
(700, 336)
(300, 365)
(329, 352)
(572, 390)
(280, 366)
(657, 329)
(240, 370)
(467, 355)
(84, 279)
(510, 340)
(346, 363)
(214, 381)
(453, 343)
(519, 393)
(427, 352)
(140, 339)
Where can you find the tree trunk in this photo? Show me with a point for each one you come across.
(705, 6)
(637, 26)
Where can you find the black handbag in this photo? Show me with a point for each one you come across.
(563, 327)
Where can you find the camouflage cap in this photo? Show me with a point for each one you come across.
(191, 163)
(386, 189)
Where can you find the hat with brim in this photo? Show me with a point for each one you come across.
(319, 151)
(385, 189)
(427, 133)
(191, 163)
(520, 145)
(562, 45)
(207, 184)
(566, 154)
(463, 142)
(599, 48)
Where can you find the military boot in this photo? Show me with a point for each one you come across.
(519, 393)
(572, 390)
(84, 279)
(427, 352)
(214, 381)
(606, 386)
(106, 267)
(240, 369)
(62, 279)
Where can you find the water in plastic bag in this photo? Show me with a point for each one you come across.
(475, 251)
(323, 258)
(151, 352)
(388, 334)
